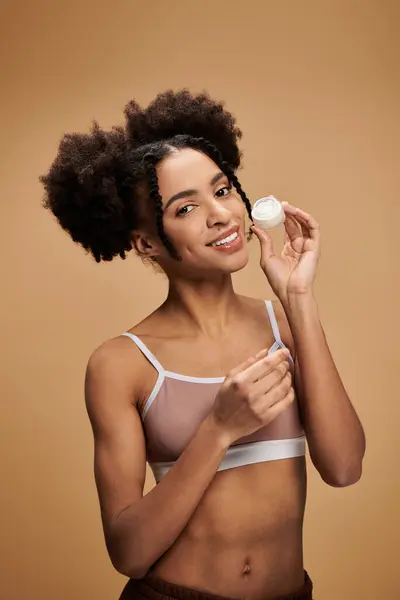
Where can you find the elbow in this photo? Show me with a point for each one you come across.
(125, 547)
(126, 568)
(343, 477)
(125, 561)
(136, 572)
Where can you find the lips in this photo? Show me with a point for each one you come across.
(225, 234)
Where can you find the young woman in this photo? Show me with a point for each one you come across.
(217, 391)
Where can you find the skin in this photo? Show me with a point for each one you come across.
(244, 539)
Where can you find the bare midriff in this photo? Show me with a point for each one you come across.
(244, 540)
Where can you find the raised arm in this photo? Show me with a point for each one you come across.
(334, 433)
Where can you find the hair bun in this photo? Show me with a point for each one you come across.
(88, 189)
(182, 113)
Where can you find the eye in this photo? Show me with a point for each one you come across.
(224, 191)
(185, 210)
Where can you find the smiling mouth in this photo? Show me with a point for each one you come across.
(228, 240)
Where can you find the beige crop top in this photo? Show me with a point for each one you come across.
(179, 403)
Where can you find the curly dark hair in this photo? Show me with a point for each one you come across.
(95, 184)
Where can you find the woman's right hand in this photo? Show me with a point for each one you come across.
(253, 395)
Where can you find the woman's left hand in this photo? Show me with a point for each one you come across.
(293, 272)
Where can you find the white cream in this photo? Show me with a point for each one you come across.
(267, 213)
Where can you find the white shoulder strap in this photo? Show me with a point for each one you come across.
(144, 349)
(274, 323)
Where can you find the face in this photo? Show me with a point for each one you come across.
(204, 218)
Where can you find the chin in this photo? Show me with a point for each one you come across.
(233, 263)
(240, 265)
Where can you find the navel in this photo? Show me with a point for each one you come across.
(246, 568)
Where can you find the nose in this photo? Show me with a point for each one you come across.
(218, 214)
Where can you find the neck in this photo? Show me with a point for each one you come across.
(205, 307)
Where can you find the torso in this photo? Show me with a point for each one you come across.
(245, 536)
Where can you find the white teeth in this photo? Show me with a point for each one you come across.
(226, 240)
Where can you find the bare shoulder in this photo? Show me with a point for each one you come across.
(116, 364)
(113, 354)
(253, 307)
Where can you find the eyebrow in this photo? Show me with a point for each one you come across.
(188, 193)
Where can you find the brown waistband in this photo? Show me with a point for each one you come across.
(152, 587)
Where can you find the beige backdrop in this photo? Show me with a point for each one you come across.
(315, 87)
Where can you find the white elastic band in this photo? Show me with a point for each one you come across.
(246, 454)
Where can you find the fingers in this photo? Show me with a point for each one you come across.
(294, 233)
(301, 215)
(265, 366)
(308, 224)
(265, 241)
(279, 376)
(250, 361)
(281, 404)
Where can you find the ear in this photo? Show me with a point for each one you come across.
(144, 244)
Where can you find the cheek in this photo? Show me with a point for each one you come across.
(237, 207)
(240, 208)
(185, 232)
(189, 233)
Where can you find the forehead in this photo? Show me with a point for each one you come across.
(183, 170)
